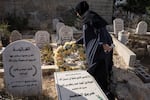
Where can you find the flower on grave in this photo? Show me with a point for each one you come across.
(69, 51)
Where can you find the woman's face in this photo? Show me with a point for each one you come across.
(78, 15)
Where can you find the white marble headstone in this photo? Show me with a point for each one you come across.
(55, 21)
(118, 25)
(141, 28)
(15, 35)
(42, 38)
(65, 34)
(22, 69)
(77, 85)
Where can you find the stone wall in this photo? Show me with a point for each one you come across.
(41, 12)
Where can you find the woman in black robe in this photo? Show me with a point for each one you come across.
(97, 42)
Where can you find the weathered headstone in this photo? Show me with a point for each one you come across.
(55, 21)
(15, 35)
(65, 34)
(118, 25)
(123, 36)
(42, 38)
(58, 26)
(22, 69)
(141, 28)
(148, 49)
(77, 85)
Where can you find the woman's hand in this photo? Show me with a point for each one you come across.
(107, 48)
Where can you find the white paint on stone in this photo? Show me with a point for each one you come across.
(42, 38)
(77, 85)
(22, 69)
(141, 28)
(118, 25)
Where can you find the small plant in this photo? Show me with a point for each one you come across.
(4, 29)
(4, 34)
(47, 55)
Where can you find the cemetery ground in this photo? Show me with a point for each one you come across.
(126, 85)
(48, 86)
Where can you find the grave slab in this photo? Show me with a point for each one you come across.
(77, 85)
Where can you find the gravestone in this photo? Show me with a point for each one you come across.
(65, 34)
(118, 26)
(58, 26)
(22, 69)
(148, 49)
(42, 38)
(123, 36)
(15, 35)
(141, 28)
(77, 85)
(55, 21)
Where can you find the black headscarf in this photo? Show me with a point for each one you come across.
(82, 7)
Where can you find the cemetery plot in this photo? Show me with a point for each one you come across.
(70, 56)
(22, 69)
(47, 55)
(77, 85)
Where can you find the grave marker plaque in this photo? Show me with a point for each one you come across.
(77, 85)
(22, 69)
(118, 25)
(42, 38)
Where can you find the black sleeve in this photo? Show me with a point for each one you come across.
(104, 36)
(80, 40)
(98, 21)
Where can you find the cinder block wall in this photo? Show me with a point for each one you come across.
(41, 12)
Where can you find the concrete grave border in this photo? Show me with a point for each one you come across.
(128, 56)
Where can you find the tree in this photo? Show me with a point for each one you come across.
(137, 6)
